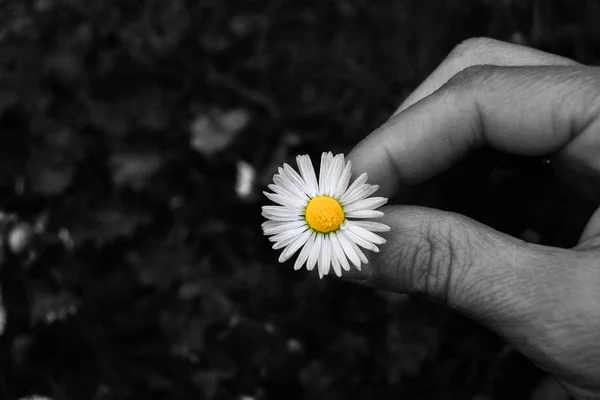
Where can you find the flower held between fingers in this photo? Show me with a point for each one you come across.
(326, 219)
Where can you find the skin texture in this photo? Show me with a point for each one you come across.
(543, 300)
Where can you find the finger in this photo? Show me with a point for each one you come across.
(480, 51)
(458, 261)
(442, 255)
(520, 110)
(591, 233)
(521, 291)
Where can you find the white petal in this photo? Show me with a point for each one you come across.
(363, 259)
(291, 202)
(326, 160)
(325, 256)
(365, 234)
(362, 242)
(348, 249)
(335, 264)
(357, 184)
(284, 192)
(295, 246)
(366, 204)
(283, 243)
(288, 234)
(344, 180)
(365, 214)
(282, 218)
(280, 213)
(268, 224)
(372, 226)
(360, 253)
(314, 252)
(303, 256)
(285, 183)
(296, 179)
(335, 171)
(280, 210)
(359, 193)
(308, 174)
(275, 227)
(338, 253)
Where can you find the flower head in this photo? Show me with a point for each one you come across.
(326, 218)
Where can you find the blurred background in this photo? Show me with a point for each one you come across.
(135, 140)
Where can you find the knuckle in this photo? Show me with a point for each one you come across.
(472, 76)
(439, 259)
(470, 48)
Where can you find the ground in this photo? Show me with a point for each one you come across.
(134, 265)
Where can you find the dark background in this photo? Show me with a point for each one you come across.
(141, 272)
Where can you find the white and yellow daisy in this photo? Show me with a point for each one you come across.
(326, 218)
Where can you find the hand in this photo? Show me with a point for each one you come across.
(544, 300)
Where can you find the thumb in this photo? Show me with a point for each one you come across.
(591, 234)
(538, 298)
(495, 278)
(543, 300)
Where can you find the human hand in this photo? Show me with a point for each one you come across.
(544, 300)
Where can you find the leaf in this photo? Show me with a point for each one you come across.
(108, 224)
(213, 43)
(134, 169)
(245, 24)
(53, 157)
(49, 308)
(212, 132)
(50, 181)
(35, 397)
(207, 381)
(246, 176)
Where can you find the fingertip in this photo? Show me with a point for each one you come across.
(368, 159)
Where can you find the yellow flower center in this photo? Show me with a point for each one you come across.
(324, 214)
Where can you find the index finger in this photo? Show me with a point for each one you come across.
(481, 51)
(520, 110)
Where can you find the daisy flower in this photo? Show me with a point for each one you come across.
(324, 218)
